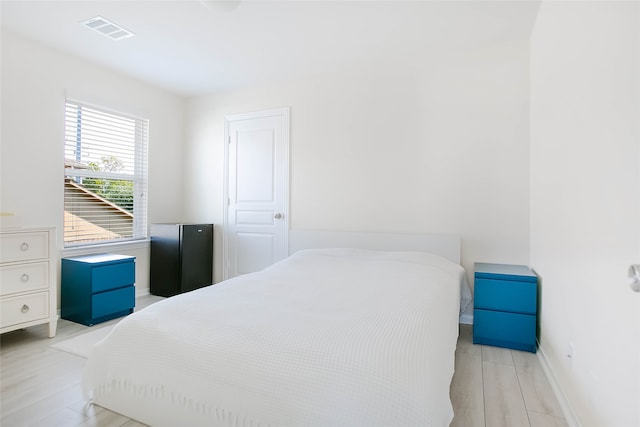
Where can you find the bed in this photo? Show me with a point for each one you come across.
(327, 337)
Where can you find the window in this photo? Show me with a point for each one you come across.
(105, 176)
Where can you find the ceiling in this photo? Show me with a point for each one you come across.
(193, 47)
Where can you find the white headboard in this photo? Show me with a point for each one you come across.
(445, 245)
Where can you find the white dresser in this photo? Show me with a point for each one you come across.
(28, 285)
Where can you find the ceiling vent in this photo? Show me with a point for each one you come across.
(107, 28)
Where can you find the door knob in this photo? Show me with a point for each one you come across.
(634, 274)
(278, 215)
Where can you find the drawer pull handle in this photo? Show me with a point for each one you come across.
(24, 277)
(24, 246)
(25, 308)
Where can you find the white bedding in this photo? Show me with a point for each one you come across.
(328, 337)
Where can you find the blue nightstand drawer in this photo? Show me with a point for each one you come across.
(506, 295)
(113, 276)
(511, 330)
(112, 302)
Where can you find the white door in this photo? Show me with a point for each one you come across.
(257, 191)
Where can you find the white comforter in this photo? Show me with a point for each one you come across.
(339, 337)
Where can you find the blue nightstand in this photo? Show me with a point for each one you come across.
(505, 306)
(97, 288)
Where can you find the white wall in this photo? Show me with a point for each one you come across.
(439, 146)
(35, 82)
(585, 203)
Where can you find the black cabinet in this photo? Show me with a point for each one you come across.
(181, 258)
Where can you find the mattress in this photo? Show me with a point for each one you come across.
(327, 337)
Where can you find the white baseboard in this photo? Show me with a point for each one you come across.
(466, 318)
(141, 292)
(569, 414)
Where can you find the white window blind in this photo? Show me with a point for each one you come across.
(105, 176)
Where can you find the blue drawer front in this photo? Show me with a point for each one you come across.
(113, 276)
(113, 302)
(511, 330)
(506, 295)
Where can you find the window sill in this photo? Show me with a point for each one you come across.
(106, 247)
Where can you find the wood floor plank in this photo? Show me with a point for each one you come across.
(32, 411)
(544, 420)
(43, 384)
(465, 342)
(504, 405)
(105, 418)
(467, 391)
(497, 355)
(536, 390)
(13, 375)
(133, 423)
(62, 417)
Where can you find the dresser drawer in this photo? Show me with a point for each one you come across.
(24, 246)
(506, 295)
(511, 330)
(113, 276)
(24, 308)
(111, 302)
(24, 277)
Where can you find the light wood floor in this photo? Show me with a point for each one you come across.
(40, 386)
(498, 387)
